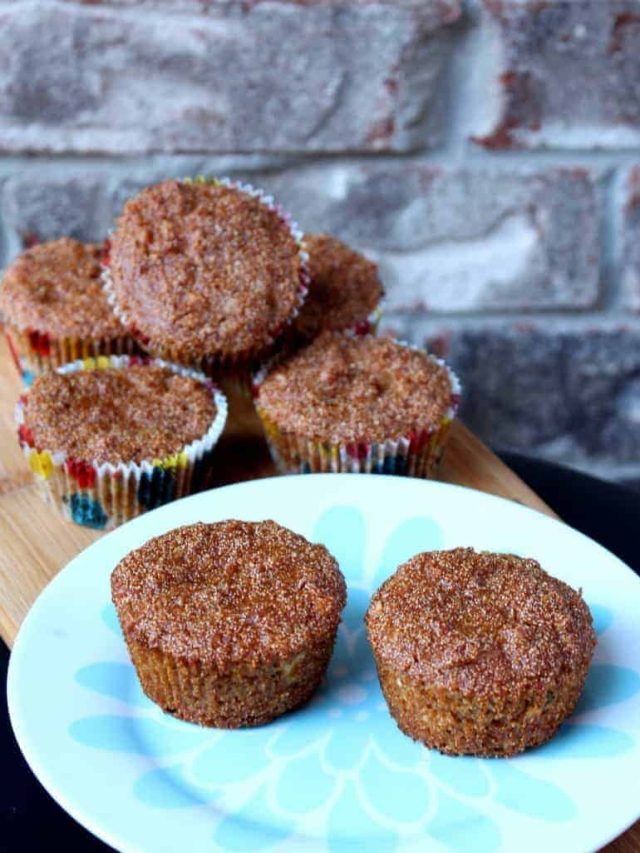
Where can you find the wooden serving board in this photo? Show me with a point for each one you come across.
(35, 542)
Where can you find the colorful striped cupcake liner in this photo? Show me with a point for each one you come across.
(37, 352)
(417, 455)
(105, 495)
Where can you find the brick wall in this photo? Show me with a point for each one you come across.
(486, 153)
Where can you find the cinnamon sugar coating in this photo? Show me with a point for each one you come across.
(118, 415)
(344, 288)
(479, 653)
(55, 288)
(204, 270)
(343, 388)
(479, 621)
(228, 595)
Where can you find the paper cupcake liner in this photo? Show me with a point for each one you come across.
(370, 325)
(416, 454)
(37, 352)
(193, 691)
(105, 495)
(237, 369)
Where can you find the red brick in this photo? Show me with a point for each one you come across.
(568, 74)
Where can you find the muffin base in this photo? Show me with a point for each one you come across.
(417, 455)
(243, 697)
(103, 497)
(457, 725)
(36, 352)
(106, 495)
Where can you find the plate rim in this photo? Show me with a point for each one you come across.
(30, 752)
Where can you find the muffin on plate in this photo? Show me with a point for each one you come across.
(479, 653)
(109, 438)
(344, 290)
(206, 273)
(229, 624)
(357, 404)
(54, 308)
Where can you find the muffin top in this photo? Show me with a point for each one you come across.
(205, 270)
(229, 593)
(55, 288)
(480, 623)
(343, 388)
(117, 415)
(344, 288)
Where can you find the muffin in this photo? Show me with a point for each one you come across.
(344, 290)
(206, 273)
(344, 294)
(479, 653)
(229, 624)
(109, 438)
(54, 308)
(357, 404)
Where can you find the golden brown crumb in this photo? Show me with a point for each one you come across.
(205, 270)
(117, 415)
(55, 288)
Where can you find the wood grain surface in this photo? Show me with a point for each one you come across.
(28, 562)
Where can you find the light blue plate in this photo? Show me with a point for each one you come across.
(336, 775)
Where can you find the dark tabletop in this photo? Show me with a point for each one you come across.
(29, 818)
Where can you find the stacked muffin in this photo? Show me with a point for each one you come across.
(108, 438)
(357, 404)
(206, 273)
(209, 281)
(55, 310)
